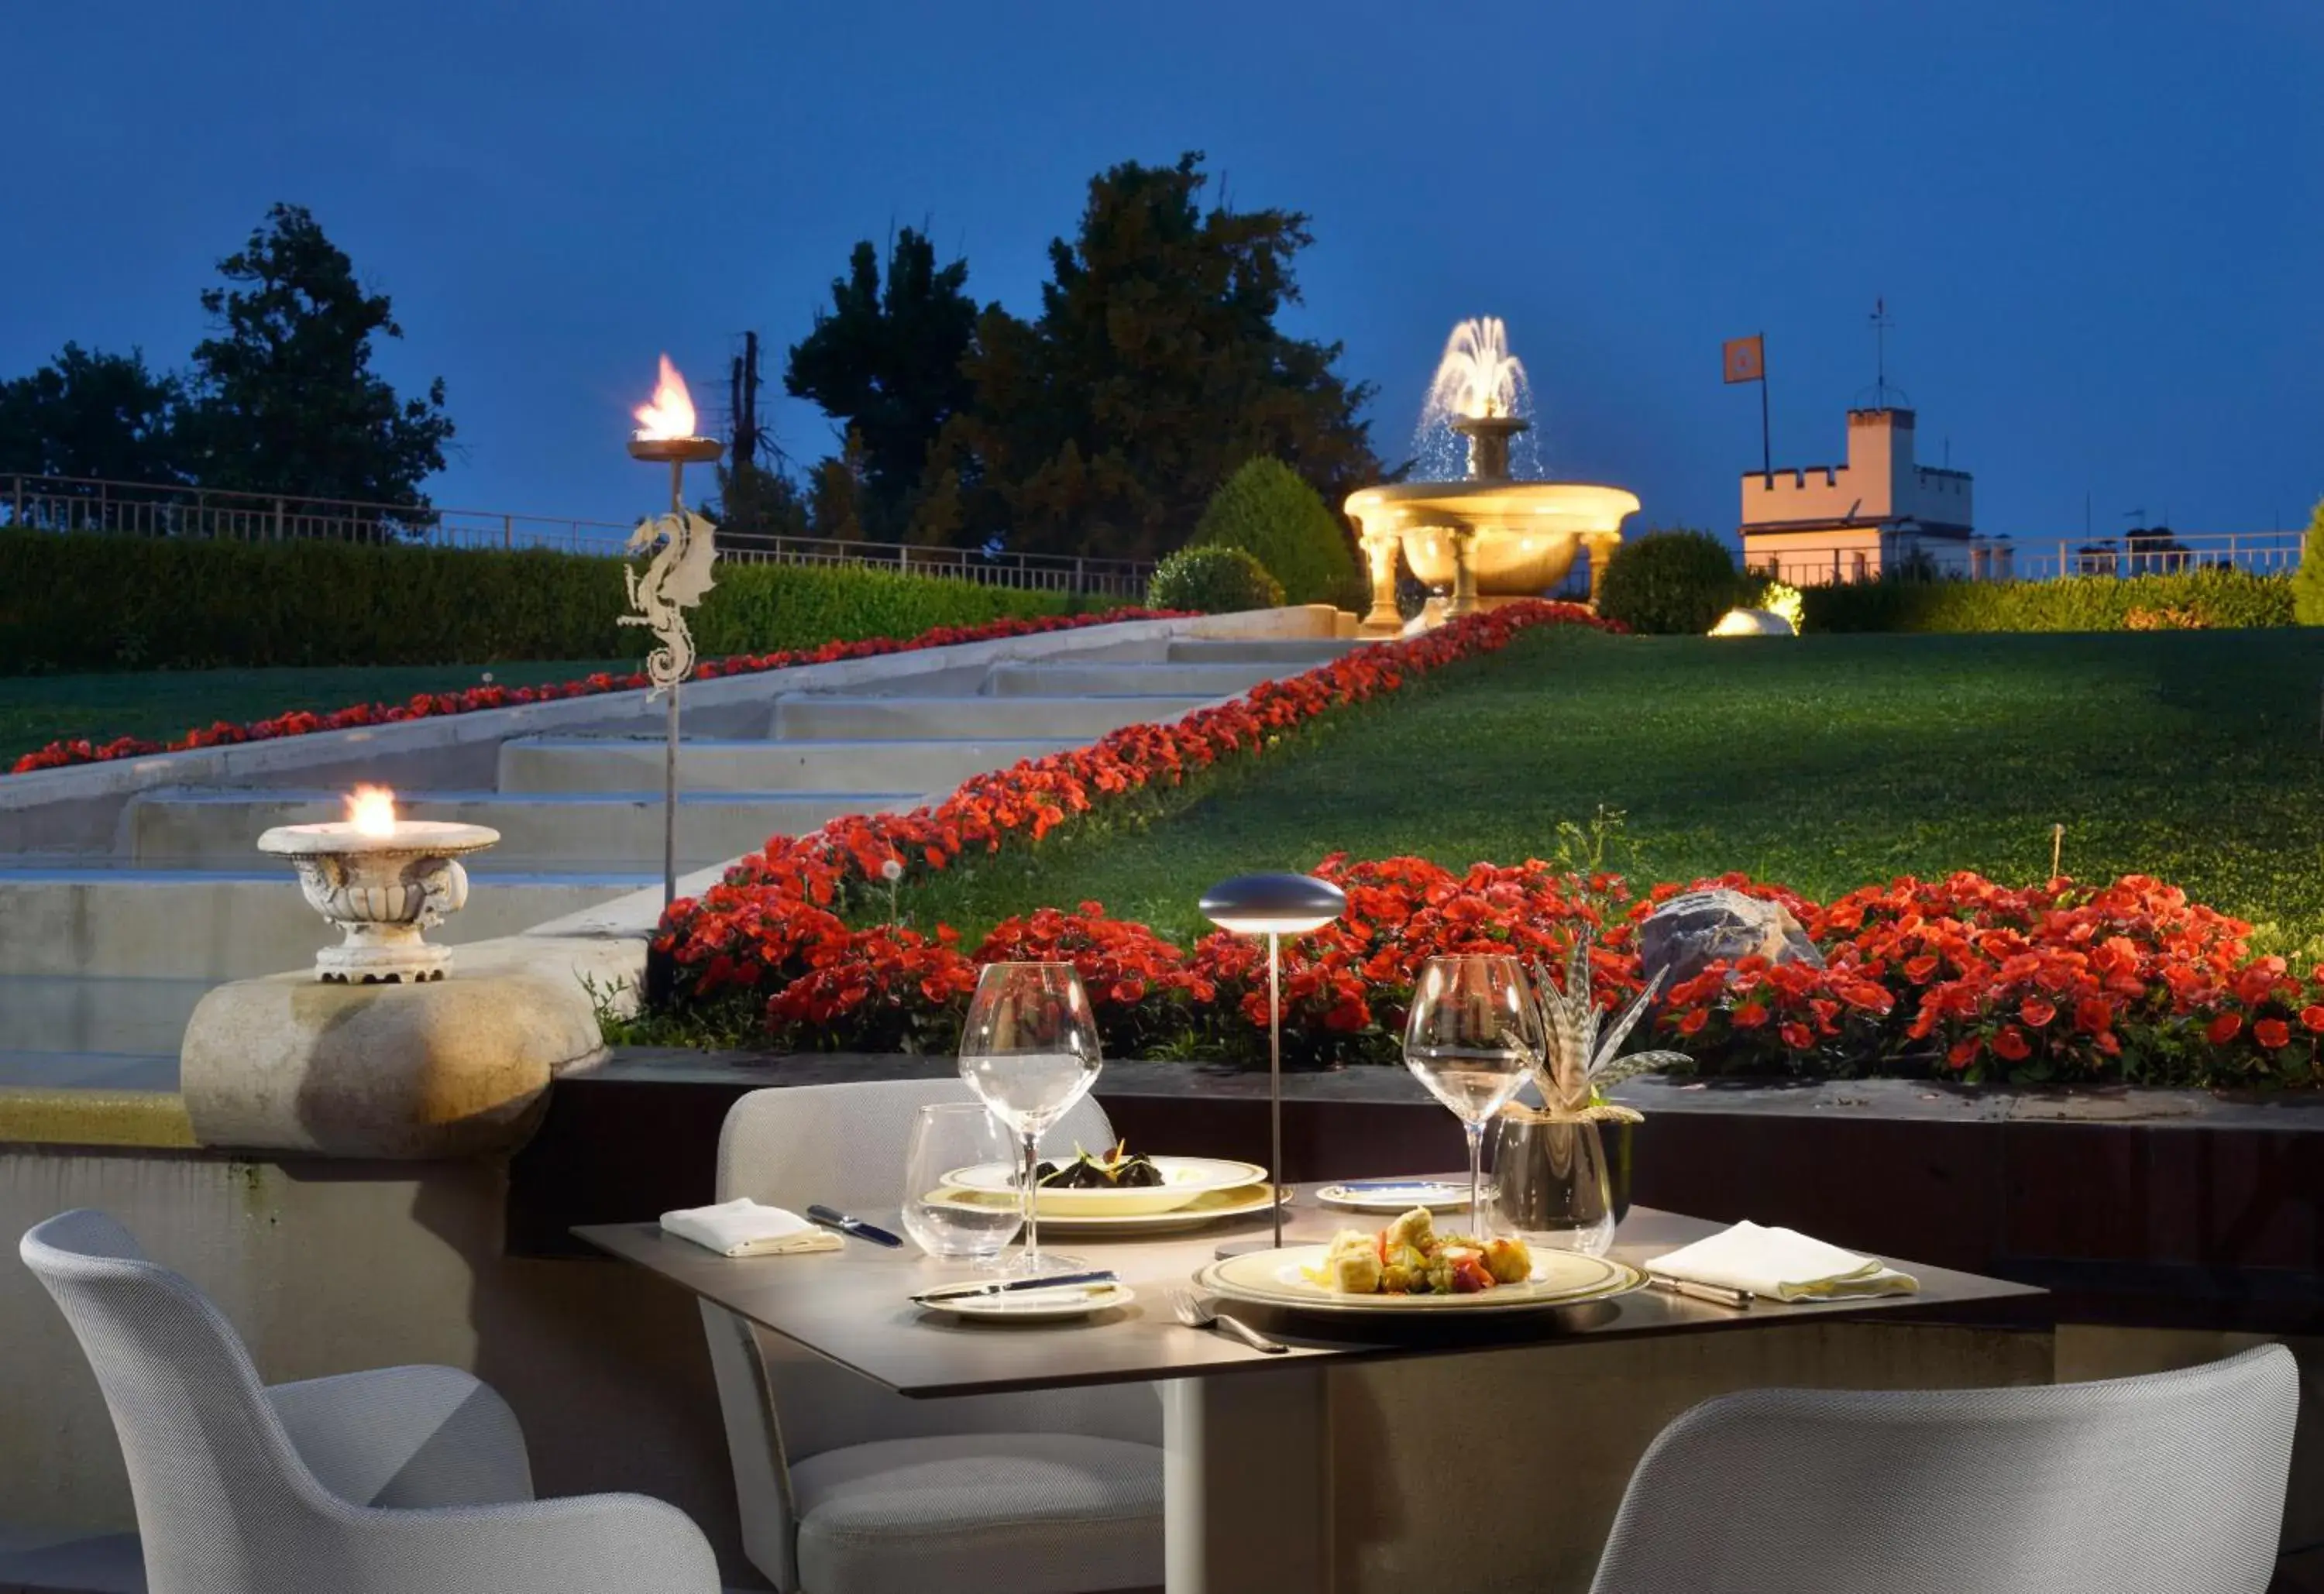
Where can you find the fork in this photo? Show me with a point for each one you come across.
(1200, 1312)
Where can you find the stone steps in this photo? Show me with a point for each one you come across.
(953, 719)
(623, 764)
(216, 828)
(1285, 655)
(220, 925)
(1115, 680)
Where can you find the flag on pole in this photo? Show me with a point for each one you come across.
(1747, 358)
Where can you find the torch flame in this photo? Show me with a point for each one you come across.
(370, 809)
(671, 412)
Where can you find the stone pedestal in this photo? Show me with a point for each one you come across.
(450, 1068)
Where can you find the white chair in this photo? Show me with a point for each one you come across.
(391, 1482)
(847, 1487)
(2171, 1483)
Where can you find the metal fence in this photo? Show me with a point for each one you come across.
(130, 508)
(2002, 558)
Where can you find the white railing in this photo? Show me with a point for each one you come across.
(130, 508)
(1999, 558)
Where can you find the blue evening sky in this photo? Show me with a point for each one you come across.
(2099, 224)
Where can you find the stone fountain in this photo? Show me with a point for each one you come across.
(1487, 539)
(384, 881)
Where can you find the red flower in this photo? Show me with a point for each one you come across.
(2312, 1018)
(2037, 1012)
(2272, 1033)
(1796, 1035)
(2223, 1028)
(2010, 1043)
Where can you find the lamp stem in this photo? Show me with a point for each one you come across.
(1275, 1080)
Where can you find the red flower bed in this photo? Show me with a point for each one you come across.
(428, 704)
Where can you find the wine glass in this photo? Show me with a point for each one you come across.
(1473, 1038)
(950, 1224)
(1030, 1051)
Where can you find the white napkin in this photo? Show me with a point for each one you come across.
(742, 1228)
(1782, 1265)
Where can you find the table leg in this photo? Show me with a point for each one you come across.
(1247, 1484)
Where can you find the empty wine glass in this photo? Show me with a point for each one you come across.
(1030, 1051)
(1472, 1038)
(950, 1224)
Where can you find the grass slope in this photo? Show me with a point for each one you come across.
(1826, 763)
(162, 704)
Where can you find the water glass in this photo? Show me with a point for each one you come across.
(951, 1224)
(1473, 1038)
(1030, 1051)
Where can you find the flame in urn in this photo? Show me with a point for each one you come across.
(370, 809)
(671, 414)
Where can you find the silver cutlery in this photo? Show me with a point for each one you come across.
(1719, 1294)
(1201, 1312)
(1054, 1281)
(857, 1227)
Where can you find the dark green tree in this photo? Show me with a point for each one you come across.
(1155, 368)
(756, 505)
(284, 396)
(91, 415)
(885, 362)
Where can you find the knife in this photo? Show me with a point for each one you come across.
(1739, 1299)
(855, 1226)
(961, 1292)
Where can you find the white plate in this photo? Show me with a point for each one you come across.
(1278, 1279)
(1381, 1195)
(1213, 1206)
(1037, 1305)
(1183, 1179)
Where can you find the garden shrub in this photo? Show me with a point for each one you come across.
(2307, 580)
(2216, 598)
(1214, 580)
(1672, 582)
(1268, 510)
(87, 601)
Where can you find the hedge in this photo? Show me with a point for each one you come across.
(2215, 599)
(1672, 582)
(74, 602)
(1212, 580)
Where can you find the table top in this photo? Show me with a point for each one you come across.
(851, 1306)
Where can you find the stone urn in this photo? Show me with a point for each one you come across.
(384, 887)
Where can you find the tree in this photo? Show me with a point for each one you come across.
(2307, 580)
(885, 362)
(1271, 514)
(1154, 370)
(756, 505)
(91, 415)
(284, 397)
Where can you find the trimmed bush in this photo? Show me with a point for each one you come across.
(70, 602)
(2307, 580)
(1269, 511)
(2215, 599)
(1214, 580)
(1675, 582)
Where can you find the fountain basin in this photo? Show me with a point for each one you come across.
(1520, 537)
(384, 889)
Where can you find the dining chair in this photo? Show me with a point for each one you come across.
(2171, 1481)
(385, 1482)
(846, 1487)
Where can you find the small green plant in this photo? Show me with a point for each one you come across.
(2308, 581)
(1212, 580)
(1675, 582)
(1269, 511)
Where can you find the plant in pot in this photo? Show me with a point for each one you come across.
(1561, 1171)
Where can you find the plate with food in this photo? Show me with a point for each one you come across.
(1113, 1183)
(1409, 1267)
(1213, 1206)
(1394, 1195)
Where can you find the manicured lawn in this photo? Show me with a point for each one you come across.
(1824, 763)
(161, 704)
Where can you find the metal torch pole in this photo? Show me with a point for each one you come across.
(1275, 1080)
(669, 752)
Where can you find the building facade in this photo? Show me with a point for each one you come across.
(1881, 510)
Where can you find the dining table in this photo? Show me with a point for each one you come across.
(1373, 1444)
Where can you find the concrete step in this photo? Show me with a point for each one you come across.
(1288, 654)
(215, 828)
(627, 765)
(119, 1017)
(807, 717)
(1081, 680)
(216, 925)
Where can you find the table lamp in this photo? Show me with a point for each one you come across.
(1273, 906)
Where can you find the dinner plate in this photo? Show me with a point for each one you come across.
(1213, 1206)
(1037, 1305)
(1278, 1279)
(1184, 1178)
(1394, 1195)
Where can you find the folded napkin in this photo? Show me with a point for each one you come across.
(742, 1228)
(1781, 1265)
